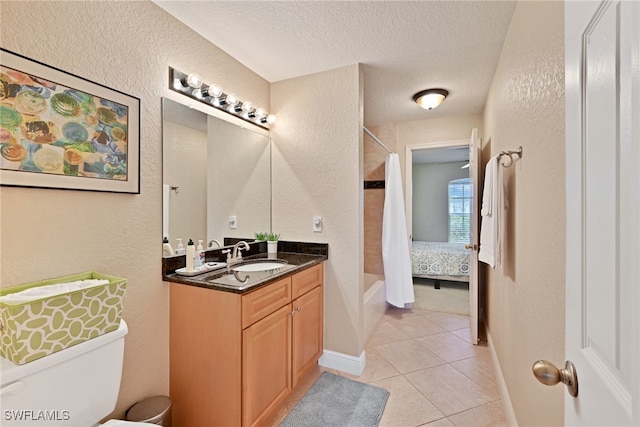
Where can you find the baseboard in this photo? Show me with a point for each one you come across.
(343, 362)
(507, 406)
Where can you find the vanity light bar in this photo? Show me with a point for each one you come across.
(192, 86)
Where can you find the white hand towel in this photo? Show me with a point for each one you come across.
(165, 210)
(46, 291)
(493, 205)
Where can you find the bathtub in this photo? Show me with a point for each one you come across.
(375, 303)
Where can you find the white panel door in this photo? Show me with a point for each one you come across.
(603, 196)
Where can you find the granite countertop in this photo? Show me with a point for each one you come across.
(225, 280)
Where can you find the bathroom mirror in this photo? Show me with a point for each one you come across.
(216, 177)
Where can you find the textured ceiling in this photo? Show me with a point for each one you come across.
(405, 46)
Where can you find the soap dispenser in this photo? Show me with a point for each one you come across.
(180, 248)
(199, 255)
(191, 254)
(167, 250)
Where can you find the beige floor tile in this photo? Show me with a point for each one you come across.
(448, 347)
(442, 422)
(416, 326)
(403, 313)
(480, 370)
(465, 334)
(408, 356)
(377, 368)
(449, 390)
(386, 333)
(489, 415)
(449, 321)
(406, 405)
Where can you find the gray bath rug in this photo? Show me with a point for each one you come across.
(335, 401)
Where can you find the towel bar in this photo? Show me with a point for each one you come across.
(510, 153)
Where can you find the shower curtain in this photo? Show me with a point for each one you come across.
(396, 255)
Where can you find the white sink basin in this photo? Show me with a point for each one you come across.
(260, 266)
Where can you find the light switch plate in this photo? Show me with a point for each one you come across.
(317, 224)
(233, 222)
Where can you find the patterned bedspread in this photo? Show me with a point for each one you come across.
(440, 259)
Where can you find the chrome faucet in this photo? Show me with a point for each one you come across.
(234, 255)
(212, 241)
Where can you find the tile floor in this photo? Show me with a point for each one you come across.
(435, 376)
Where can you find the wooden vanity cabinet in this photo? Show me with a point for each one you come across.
(308, 311)
(235, 358)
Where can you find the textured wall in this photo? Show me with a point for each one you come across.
(317, 170)
(47, 233)
(525, 300)
(435, 130)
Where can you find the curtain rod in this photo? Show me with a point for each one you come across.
(375, 138)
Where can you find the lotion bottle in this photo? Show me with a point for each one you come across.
(191, 254)
(180, 248)
(167, 250)
(199, 255)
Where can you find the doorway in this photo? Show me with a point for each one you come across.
(442, 221)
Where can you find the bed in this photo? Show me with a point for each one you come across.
(440, 261)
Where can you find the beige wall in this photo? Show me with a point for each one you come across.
(436, 130)
(317, 170)
(525, 300)
(47, 233)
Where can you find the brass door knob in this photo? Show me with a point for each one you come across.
(474, 247)
(547, 373)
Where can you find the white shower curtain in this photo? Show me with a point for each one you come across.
(396, 255)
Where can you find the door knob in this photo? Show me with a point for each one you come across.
(547, 373)
(474, 247)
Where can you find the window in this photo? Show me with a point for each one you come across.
(460, 198)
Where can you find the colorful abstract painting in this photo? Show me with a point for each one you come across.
(58, 130)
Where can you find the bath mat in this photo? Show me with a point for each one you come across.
(338, 401)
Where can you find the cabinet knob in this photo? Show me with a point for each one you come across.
(298, 308)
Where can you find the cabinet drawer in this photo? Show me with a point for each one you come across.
(264, 301)
(306, 280)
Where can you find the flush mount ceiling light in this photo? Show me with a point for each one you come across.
(192, 86)
(430, 98)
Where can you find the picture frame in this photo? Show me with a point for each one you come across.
(62, 131)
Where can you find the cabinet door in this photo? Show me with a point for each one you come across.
(307, 332)
(266, 366)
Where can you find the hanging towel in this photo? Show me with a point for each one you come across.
(165, 210)
(396, 255)
(492, 212)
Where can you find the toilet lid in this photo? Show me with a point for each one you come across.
(121, 423)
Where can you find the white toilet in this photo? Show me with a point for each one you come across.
(76, 387)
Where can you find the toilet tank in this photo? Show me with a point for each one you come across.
(77, 386)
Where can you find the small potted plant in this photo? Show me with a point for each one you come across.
(260, 236)
(272, 242)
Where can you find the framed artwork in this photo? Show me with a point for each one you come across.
(58, 130)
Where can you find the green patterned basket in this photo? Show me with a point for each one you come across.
(35, 329)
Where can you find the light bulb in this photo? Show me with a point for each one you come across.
(260, 113)
(214, 91)
(231, 100)
(197, 93)
(247, 106)
(271, 119)
(194, 80)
